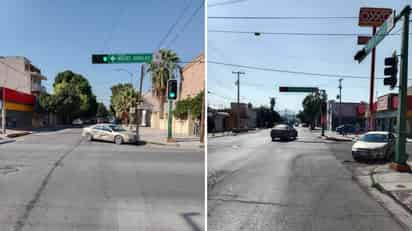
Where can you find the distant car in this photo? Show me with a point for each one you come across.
(283, 132)
(346, 129)
(109, 132)
(374, 145)
(77, 121)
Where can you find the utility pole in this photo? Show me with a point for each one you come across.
(340, 102)
(202, 120)
(322, 115)
(139, 102)
(238, 73)
(3, 111)
(400, 163)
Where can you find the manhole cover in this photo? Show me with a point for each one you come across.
(400, 186)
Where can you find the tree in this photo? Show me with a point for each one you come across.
(162, 72)
(67, 103)
(81, 87)
(311, 109)
(122, 99)
(192, 105)
(102, 111)
(266, 118)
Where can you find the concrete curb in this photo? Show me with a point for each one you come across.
(170, 144)
(5, 141)
(381, 189)
(17, 134)
(337, 139)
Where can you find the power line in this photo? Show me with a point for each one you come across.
(297, 33)
(312, 74)
(225, 3)
(190, 19)
(182, 13)
(280, 18)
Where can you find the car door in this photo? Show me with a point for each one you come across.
(97, 132)
(107, 133)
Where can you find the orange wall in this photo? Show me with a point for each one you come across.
(193, 78)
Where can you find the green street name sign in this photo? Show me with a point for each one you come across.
(383, 31)
(298, 89)
(121, 58)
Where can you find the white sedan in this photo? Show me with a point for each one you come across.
(374, 145)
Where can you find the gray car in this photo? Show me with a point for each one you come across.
(283, 132)
(109, 132)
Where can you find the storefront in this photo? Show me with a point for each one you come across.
(19, 108)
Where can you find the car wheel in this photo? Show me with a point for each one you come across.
(356, 157)
(89, 137)
(118, 140)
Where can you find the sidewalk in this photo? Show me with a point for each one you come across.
(158, 136)
(395, 184)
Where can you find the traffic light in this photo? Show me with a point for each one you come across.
(172, 89)
(391, 70)
(101, 58)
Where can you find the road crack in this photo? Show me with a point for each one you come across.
(21, 221)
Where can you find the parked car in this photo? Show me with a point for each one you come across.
(77, 121)
(374, 145)
(345, 129)
(283, 132)
(109, 132)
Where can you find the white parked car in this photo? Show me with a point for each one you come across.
(77, 122)
(109, 132)
(374, 145)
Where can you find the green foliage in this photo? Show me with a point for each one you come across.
(162, 72)
(311, 109)
(67, 104)
(70, 83)
(192, 105)
(102, 111)
(122, 99)
(266, 117)
(46, 103)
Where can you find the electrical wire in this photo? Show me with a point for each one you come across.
(182, 13)
(311, 74)
(281, 18)
(297, 33)
(190, 19)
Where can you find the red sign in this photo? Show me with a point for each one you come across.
(362, 40)
(373, 17)
(18, 97)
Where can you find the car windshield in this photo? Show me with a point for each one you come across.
(374, 138)
(281, 126)
(117, 128)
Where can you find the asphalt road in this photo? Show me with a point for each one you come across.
(57, 181)
(256, 184)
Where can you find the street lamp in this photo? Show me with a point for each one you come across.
(130, 73)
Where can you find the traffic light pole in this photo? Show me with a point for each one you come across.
(169, 123)
(399, 163)
(138, 103)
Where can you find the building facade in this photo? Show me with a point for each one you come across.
(20, 83)
(341, 113)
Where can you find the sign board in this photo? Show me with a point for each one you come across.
(383, 31)
(121, 58)
(373, 17)
(362, 40)
(298, 89)
(383, 103)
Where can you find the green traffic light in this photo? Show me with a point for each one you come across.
(105, 59)
(171, 94)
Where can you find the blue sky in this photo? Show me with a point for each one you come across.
(60, 35)
(331, 55)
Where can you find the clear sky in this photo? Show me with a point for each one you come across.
(320, 54)
(61, 35)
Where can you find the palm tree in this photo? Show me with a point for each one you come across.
(161, 73)
(123, 102)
